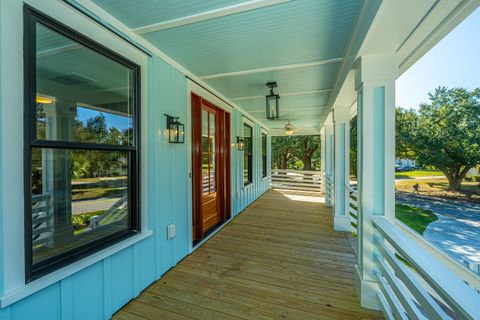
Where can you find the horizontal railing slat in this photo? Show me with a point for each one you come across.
(458, 295)
(407, 303)
(297, 180)
(430, 307)
(387, 311)
(392, 299)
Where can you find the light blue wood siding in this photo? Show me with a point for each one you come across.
(101, 289)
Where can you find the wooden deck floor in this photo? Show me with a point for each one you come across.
(279, 259)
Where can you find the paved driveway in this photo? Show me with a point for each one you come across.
(457, 230)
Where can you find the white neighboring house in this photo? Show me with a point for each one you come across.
(475, 171)
(405, 162)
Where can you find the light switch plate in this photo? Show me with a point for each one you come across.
(171, 231)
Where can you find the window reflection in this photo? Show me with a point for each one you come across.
(82, 96)
(77, 196)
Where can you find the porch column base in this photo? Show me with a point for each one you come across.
(342, 223)
(366, 291)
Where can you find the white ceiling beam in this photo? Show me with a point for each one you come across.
(298, 93)
(292, 109)
(275, 68)
(208, 15)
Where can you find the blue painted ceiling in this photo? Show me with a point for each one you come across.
(292, 32)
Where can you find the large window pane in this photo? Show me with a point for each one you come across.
(264, 155)
(80, 130)
(78, 196)
(82, 95)
(247, 155)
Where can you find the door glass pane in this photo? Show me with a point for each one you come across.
(205, 173)
(213, 176)
(204, 131)
(212, 153)
(78, 196)
(82, 96)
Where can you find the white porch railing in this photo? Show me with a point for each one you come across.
(296, 180)
(353, 207)
(42, 220)
(415, 283)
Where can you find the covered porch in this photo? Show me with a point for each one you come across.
(280, 258)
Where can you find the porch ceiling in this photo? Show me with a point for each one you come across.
(238, 46)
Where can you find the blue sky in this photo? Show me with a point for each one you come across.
(113, 120)
(453, 62)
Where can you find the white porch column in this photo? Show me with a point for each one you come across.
(375, 84)
(322, 149)
(329, 157)
(341, 120)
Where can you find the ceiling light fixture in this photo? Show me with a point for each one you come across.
(272, 101)
(43, 100)
(289, 129)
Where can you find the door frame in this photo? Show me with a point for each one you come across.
(193, 88)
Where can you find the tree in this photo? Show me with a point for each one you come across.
(286, 151)
(446, 134)
(305, 149)
(282, 151)
(80, 165)
(353, 146)
(405, 126)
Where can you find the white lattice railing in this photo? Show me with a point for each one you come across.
(417, 282)
(352, 207)
(297, 180)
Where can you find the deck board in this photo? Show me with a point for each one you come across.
(279, 259)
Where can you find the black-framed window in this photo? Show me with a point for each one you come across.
(264, 155)
(248, 154)
(81, 145)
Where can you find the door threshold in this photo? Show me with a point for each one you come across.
(210, 233)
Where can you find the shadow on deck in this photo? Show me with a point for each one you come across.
(279, 259)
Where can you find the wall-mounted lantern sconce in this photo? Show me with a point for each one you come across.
(176, 130)
(272, 102)
(240, 143)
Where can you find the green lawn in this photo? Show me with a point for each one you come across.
(417, 219)
(97, 192)
(418, 173)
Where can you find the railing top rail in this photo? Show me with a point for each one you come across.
(453, 290)
(40, 197)
(296, 171)
(349, 188)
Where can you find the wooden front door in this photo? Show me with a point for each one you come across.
(210, 166)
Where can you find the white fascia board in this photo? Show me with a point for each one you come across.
(410, 28)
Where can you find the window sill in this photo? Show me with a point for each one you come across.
(247, 186)
(41, 283)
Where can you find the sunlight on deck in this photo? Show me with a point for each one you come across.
(279, 259)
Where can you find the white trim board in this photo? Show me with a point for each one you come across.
(298, 93)
(207, 15)
(275, 68)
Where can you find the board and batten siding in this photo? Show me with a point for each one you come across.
(243, 196)
(99, 289)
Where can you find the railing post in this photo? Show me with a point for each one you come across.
(329, 158)
(375, 84)
(56, 174)
(341, 121)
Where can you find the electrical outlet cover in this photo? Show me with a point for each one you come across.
(171, 231)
